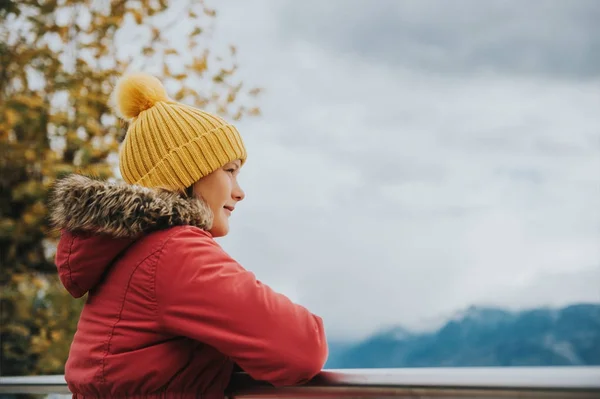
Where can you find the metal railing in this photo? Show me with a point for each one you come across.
(509, 382)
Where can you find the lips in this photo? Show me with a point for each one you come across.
(229, 208)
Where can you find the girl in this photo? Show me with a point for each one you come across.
(169, 313)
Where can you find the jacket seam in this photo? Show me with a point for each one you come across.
(159, 251)
(155, 271)
(71, 281)
(112, 330)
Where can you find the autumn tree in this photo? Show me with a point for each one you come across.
(59, 61)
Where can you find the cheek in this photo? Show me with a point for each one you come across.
(204, 192)
(215, 190)
(224, 188)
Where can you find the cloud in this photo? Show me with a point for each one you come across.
(555, 38)
(391, 183)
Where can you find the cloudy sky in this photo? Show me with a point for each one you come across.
(417, 157)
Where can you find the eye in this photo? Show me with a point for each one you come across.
(230, 170)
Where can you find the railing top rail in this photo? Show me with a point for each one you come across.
(564, 378)
(387, 382)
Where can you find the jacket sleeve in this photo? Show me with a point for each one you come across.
(202, 293)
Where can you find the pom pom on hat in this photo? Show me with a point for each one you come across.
(138, 92)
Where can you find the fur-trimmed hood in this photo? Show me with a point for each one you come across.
(81, 204)
(99, 221)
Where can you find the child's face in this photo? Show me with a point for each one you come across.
(221, 191)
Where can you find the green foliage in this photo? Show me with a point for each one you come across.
(58, 64)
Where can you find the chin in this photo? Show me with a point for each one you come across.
(219, 231)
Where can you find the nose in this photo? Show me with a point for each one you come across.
(238, 194)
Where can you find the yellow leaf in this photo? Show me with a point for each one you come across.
(56, 335)
(254, 111)
(38, 283)
(231, 97)
(200, 64)
(137, 16)
(30, 155)
(63, 32)
(11, 116)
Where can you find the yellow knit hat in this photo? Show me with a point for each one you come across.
(168, 144)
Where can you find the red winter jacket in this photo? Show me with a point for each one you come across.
(168, 312)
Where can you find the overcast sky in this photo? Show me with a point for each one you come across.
(417, 157)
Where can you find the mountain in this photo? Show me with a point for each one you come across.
(483, 336)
